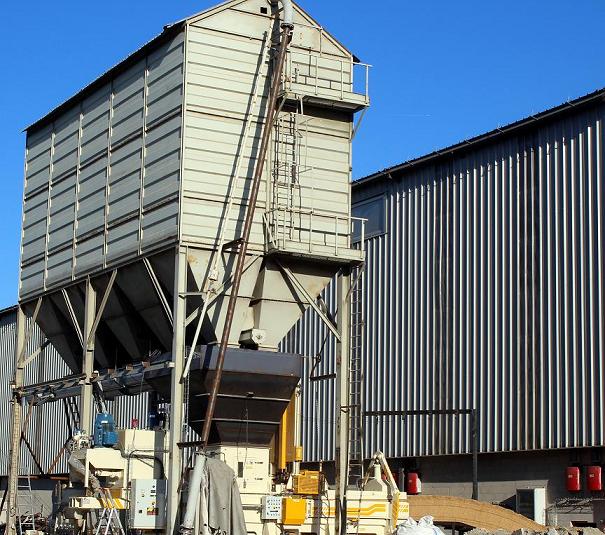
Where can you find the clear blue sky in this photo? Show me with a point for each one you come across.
(443, 70)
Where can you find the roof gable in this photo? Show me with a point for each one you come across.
(298, 12)
(168, 31)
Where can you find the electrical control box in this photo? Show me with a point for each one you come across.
(148, 504)
(271, 507)
(294, 510)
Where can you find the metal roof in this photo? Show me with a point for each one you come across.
(7, 310)
(168, 31)
(472, 143)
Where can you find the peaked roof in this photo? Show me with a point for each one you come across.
(169, 31)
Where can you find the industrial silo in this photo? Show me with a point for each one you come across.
(136, 194)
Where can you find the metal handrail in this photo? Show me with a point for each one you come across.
(276, 223)
(345, 87)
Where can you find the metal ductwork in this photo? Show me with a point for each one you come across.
(288, 15)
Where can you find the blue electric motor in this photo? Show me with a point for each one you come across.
(105, 431)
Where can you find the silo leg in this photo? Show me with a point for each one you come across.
(15, 451)
(86, 393)
(176, 390)
(342, 399)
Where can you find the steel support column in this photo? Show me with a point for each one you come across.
(17, 416)
(475, 444)
(177, 390)
(342, 398)
(86, 393)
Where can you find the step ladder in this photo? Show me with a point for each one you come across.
(109, 521)
(26, 516)
(356, 378)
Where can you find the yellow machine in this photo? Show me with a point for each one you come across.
(305, 504)
(129, 478)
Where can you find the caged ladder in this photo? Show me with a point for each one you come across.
(355, 406)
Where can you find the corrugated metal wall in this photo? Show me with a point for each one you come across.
(47, 430)
(102, 179)
(486, 290)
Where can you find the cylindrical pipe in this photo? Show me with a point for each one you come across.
(193, 496)
(241, 258)
(288, 15)
(196, 478)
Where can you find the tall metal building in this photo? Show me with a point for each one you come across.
(484, 289)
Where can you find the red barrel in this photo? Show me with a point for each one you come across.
(593, 479)
(573, 479)
(413, 485)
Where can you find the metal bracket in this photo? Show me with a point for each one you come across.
(358, 123)
(97, 320)
(21, 359)
(211, 300)
(158, 289)
(73, 317)
(233, 244)
(35, 353)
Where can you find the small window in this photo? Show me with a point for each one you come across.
(374, 211)
(264, 10)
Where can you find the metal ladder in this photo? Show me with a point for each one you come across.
(355, 406)
(289, 163)
(25, 504)
(109, 521)
(72, 413)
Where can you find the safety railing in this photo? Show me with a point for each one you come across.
(309, 231)
(310, 73)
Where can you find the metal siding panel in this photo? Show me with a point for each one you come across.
(97, 154)
(159, 225)
(48, 365)
(32, 277)
(162, 162)
(128, 103)
(510, 233)
(88, 252)
(120, 239)
(125, 183)
(58, 266)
